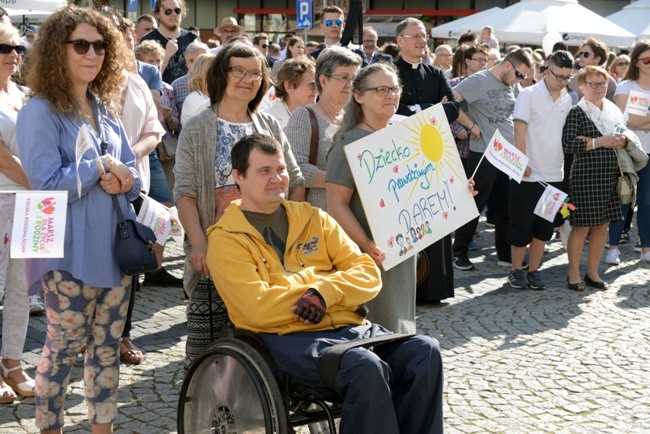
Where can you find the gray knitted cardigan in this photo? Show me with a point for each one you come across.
(194, 170)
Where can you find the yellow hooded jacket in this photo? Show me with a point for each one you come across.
(259, 290)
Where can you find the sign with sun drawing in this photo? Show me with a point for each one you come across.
(412, 184)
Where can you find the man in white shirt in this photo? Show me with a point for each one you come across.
(539, 117)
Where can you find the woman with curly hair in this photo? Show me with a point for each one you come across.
(77, 81)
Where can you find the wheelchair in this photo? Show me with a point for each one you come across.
(232, 388)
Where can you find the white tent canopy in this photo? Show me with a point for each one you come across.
(32, 7)
(453, 29)
(635, 18)
(528, 21)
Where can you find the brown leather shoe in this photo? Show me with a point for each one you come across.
(129, 353)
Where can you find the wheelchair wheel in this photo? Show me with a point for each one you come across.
(231, 389)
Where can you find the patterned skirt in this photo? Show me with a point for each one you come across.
(206, 317)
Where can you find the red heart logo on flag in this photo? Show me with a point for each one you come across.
(445, 215)
(391, 242)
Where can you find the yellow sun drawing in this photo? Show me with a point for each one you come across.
(434, 146)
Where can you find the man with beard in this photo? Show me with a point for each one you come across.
(171, 37)
(491, 101)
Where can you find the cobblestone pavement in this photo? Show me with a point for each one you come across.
(516, 361)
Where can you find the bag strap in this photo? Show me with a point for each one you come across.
(328, 366)
(104, 147)
(618, 161)
(313, 144)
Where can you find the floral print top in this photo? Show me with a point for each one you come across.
(225, 190)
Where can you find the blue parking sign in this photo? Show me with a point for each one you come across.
(305, 13)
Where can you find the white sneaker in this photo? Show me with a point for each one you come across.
(645, 257)
(36, 305)
(565, 230)
(637, 245)
(613, 257)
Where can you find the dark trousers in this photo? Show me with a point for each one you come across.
(487, 179)
(391, 391)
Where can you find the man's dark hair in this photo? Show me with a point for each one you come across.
(467, 37)
(241, 150)
(560, 46)
(561, 59)
(518, 57)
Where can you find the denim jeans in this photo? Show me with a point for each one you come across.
(643, 206)
(159, 190)
(616, 228)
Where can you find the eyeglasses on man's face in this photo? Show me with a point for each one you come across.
(239, 72)
(177, 11)
(584, 54)
(480, 59)
(330, 23)
(518, 74)
(384, 90)
(560, 78)
(419, 36)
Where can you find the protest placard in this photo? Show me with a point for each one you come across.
(412, 184)
(550, 203)
(156, 216)
(39, 224)
(637, 103)
(505, 157)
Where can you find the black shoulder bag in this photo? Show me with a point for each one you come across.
(133, 241)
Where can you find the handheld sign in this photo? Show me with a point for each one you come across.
(39, 224)
(412, 184)
(506, 157)
(156, 216)
(637, 103)
(550, 203)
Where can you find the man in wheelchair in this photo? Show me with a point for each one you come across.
(288, 272)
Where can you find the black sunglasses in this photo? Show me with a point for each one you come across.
(518, 74)
(264, 45)
(81, 46)
(542, 68)
(7, 49)
(169, 11)
(582, 54)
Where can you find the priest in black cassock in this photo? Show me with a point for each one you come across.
(424, 86)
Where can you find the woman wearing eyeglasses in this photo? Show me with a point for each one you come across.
(295, 50)
(637, 79)
(592, 134)
(237, 81)
(13, 284)
(76, 78)
(375, 97)
(618, 68)
(336, 68)
(593, 52)
(294, 87)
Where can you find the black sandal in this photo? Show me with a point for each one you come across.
(575, 286)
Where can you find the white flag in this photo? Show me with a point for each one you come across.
(84, 143)
(506, 157)
(157, 217)
(39, 224)
(550, 203)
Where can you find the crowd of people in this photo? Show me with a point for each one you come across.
(247, 130)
